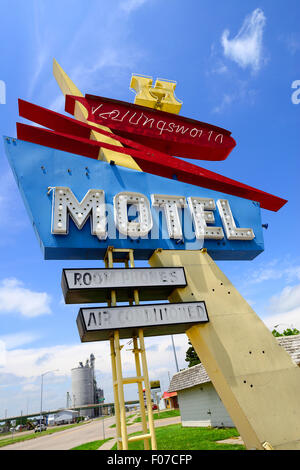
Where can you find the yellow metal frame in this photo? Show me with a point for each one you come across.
(119, 381)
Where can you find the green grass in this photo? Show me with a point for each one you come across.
(175, 437)
(161, 415)
(156, 415)
(127, 419)
(20, 438)
(94, 445)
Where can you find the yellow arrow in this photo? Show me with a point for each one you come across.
(81, 113)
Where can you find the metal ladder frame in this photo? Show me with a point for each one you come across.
(119, 381)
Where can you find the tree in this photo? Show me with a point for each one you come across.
(191, 356)
(287, 332)
(21, 420)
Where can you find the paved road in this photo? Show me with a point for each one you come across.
(91, 431)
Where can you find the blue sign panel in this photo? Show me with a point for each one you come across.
(79, 206)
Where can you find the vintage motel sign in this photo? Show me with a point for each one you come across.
(79, 207)
(96, 324)
(94, 285)
(109, 177)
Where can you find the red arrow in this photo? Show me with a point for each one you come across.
(73, 136)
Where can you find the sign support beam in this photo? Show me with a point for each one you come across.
(136, 352)
(255, 377)
(115, 389)
(120, 390)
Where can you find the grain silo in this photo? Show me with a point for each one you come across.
(83, 386)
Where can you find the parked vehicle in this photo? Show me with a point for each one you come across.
(20, 427)
(40, 428)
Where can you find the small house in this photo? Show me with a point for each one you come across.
(170, 400)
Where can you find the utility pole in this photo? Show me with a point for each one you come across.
(174, 351)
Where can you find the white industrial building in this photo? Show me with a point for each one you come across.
(84, 387)
(199, 403)
(62, 417)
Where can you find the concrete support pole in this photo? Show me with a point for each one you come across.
(253, 375)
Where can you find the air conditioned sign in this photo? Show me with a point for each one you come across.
(96, 324)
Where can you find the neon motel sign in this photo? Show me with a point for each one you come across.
(65, 205)
(142, 196)
(79, 208)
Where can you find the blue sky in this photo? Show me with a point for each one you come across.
(234, 63)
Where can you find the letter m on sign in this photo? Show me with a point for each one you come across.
(65, 205)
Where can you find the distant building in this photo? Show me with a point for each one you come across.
(199, 403)
(84, 387)
(99, 395)
(170, 400)
(63, 417)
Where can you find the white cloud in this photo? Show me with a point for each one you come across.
(292, 41)
(25, 366)
(220, 69)
(31, 362)
(273, 271)
(58, 104)
(287, 300)
(290, 319)
(285, 308)
(266, 274)
(131, 5)
(15, 340)
(241, 94)
(11, 210)
(101, 69)
(225, 101)
(2, 353)
(41, 45)
(31, 387)
(111, 62)
(246, 47)
(14, 298)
